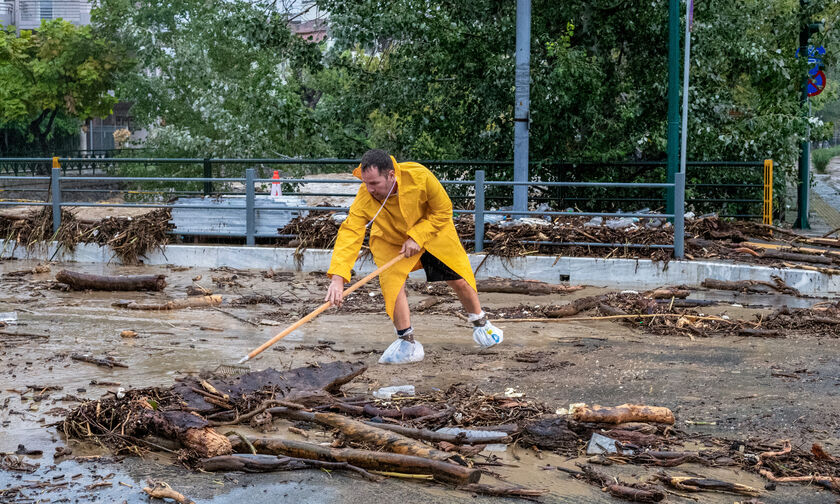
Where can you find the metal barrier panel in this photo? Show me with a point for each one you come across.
(768, 192)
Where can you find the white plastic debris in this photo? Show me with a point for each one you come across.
(402, 352)
(511, 392)
(599, 444)
(120, 393)
(385, 393)
(472, 433)
(339, 217)
(629, 292)
(8, 317)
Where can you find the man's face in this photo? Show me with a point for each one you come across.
(378, 185)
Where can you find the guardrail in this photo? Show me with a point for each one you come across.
(730, 189)
(479, 186)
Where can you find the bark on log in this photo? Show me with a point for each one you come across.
(573, 308)
(258, 463)
(792, 256)
(175, 304)
(624, 413)
(635, 494)
(361, 431)
(668, 293)
(85, 281)
(610, 311)
(532, 287)
(379, 461)
(106, 362)
(426, 303)
(761, 333)
(437, 437)
(750, 286)
(689, 484)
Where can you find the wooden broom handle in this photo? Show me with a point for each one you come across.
(317, 311)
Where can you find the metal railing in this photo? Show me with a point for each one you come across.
(479, 186)
(728, 188)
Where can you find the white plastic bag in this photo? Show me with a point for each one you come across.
(488, 335)
(402, 352)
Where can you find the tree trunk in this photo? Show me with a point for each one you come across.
(380, 461)
(532, 287)
(85, 281)
(175, 304)
(573, 308)
(366, 433)
(624, 413)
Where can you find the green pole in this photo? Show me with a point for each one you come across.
(804, 184)
(673, 99)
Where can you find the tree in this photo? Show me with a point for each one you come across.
(216, 78)
(58, 69)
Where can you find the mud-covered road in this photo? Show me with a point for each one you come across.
(733, 387)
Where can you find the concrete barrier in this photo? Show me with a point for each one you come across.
(617, 273)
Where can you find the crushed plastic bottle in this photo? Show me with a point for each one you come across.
(385, 393)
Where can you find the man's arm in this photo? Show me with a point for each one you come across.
(440, 213)
(348, 242)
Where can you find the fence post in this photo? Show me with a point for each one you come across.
(249, 207)
(208, 173)
(56, 195)
(479, 210)
(679, 215)
(768, 192)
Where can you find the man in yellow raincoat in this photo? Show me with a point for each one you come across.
(409, 213)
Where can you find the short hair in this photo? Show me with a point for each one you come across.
(377, 158)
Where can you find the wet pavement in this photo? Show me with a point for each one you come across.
(746, 387)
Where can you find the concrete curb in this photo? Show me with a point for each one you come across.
(618, 273)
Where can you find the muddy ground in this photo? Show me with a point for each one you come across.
(732, 387)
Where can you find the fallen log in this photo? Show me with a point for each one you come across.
(258, 463)
(691, 484)
(438, 437)
(623, 413)
(575, 307)
(788, 248)
(175, 304)
(360, 431)
(426, 303)
(531, 287)
(761, 333)
(379, 461)
(482, 489)
(758, 286)
(687, 303)
(634, 492)
(162, 490)
(827, 271)
(85, 281)
(668, 293)
(792, 256)
(104, 362)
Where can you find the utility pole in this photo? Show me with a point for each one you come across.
(673, 99)
(804, 185)
(521, 114)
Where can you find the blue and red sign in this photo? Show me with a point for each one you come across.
(816, 76)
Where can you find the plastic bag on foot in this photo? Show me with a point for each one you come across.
(488, 335)
(403, 352)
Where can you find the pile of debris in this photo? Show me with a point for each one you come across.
(437, 435)
(668, 311)
(129, 237)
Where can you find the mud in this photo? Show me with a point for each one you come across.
(731, 387)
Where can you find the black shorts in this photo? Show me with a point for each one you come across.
(435, 270)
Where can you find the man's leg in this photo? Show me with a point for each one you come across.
(402, 315)
(466, 294)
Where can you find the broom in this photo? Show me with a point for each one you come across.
(228, 369)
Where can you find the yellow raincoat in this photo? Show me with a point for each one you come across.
(423, 212)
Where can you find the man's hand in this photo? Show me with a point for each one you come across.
(410, 248)
(335, 292)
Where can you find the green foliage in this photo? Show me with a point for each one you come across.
(821, 157)
(59, 72)
(217, 78)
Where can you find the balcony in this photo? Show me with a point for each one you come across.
(27, 14)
